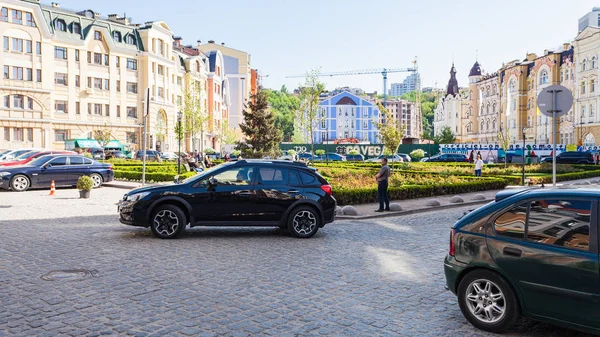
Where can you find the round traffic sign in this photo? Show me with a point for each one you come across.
(555, 100)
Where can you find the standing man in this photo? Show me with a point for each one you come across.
(478, 166)
(382, 186)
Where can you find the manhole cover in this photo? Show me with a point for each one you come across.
(67, 275)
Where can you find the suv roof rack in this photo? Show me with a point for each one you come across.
(286, 162)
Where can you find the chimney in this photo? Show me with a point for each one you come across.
(211, 41)
(55, 5)
(566, 46)
(177, 41)
(96, 15)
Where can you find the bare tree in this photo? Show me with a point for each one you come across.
(309, 104)
(103, 134)
(195, 117)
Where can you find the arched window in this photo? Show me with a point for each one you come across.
(487, 110)
(589, 140)
(543, 77)
(481, 126)
(60, 25)
(594, 62)
(117, 36)
(494, 124)
(494, 108)
(130, 39)
(481, 112)
(584, 65)
(512, 86)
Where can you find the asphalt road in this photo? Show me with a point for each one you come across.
(354, 278)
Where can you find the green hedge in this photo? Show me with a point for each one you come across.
(150, 176)
(346, 196)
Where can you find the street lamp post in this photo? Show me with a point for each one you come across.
(523, 165)
(179, 138)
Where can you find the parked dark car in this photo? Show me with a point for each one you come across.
(151, 155)
(242, 193)
(405, 157)
(572, 157)
(115, 155)
(331, 156)
(64, 170)
(355, 157)
(97, 153)
(532, 252)
(449, 158)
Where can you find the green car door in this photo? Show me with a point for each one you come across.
(549, 251)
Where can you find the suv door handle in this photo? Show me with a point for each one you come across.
(512, 251)
(245, 194)
(293, 191)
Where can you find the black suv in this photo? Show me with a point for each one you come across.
(572, 157)
(243, 193)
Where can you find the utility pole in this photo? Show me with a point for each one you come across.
(145, 114)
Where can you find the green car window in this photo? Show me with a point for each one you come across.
(564, 223)
(512, 222)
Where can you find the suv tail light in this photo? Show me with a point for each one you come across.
(451, 251)
(327, 189)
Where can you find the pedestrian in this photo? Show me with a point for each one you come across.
(382, 186)
(478, 166)
(471, 157)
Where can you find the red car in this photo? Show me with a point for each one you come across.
(27, 157)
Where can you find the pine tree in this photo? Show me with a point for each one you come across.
(262, 137)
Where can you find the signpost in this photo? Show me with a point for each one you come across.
(554, 101)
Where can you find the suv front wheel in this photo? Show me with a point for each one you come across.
(303, 222)
(487, 301)
(168, 222)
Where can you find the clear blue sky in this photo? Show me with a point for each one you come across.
(290, 37)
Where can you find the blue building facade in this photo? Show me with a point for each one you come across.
(346, 116)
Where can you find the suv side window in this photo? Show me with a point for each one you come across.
(512, 222)
(564, 223)
(272, 176)
(307, 178)
(237, 176)
(294, 178)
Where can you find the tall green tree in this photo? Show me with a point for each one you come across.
(446, 136)
(262, 137)
(504, 141)
(195, 117)
(390, 133)
(284, 107)
(225, 135)
(309, 104)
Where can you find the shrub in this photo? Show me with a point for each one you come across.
(209, 150)
(292, 152)
(319, 152)
(353, 153)
(150, 176)
(417, 154)
(85, 183)
(236, 153)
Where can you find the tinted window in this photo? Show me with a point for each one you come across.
(76, 160)
(512, 222)
(271, 175)
(87, 161)
(294, 178)
(235, 176)
(60, 161)
(564, 223)
(307, 178)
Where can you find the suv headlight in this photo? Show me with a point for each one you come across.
(136, 197)
(2, 174)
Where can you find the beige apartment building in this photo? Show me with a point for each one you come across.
(67, 74)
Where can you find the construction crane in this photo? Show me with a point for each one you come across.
(384, 72)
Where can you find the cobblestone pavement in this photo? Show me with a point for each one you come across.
(354, 278)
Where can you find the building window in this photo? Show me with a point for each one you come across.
(17, 16)
(593, 86)
(583, 87)
(76, 28)
(61, 106)
(592, 111)
(61, 135)
(89, 58)
(17, 73)
(29, 21)
(98, 83)
(6, 72)
(89, 108)
(98, 58)
(132, 87)
(161, 70)
(77, 55)
(118, 111)
(131, 137)
(60, 53)
(17, 45)
(584, 65)
(118, 61)
(38, 75)
(29, 74)
(98, 109)
(107, 109)
(130, 39)
(77, 78)
(89, 80)
(583, 111)
(18, 101)
(132, 64)
(118, 86)
(60, 25)
(7, 134)
(543, 77)
(38, 48)
(60, 79)
(29, 134)
(131, 112)
(18, 134)
(106, 84)
(6, 43)
(117, 36)
(28, 47)
(78, 108)
(97, 36)
(7, 101)
(161, 92)
(4, 16)
(106, 58)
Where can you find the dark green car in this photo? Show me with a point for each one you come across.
(530, 252)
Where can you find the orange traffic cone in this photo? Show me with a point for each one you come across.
(52, 188)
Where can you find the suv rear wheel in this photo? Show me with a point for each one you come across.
(487, 301)
(168, 222)
(303, 222)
